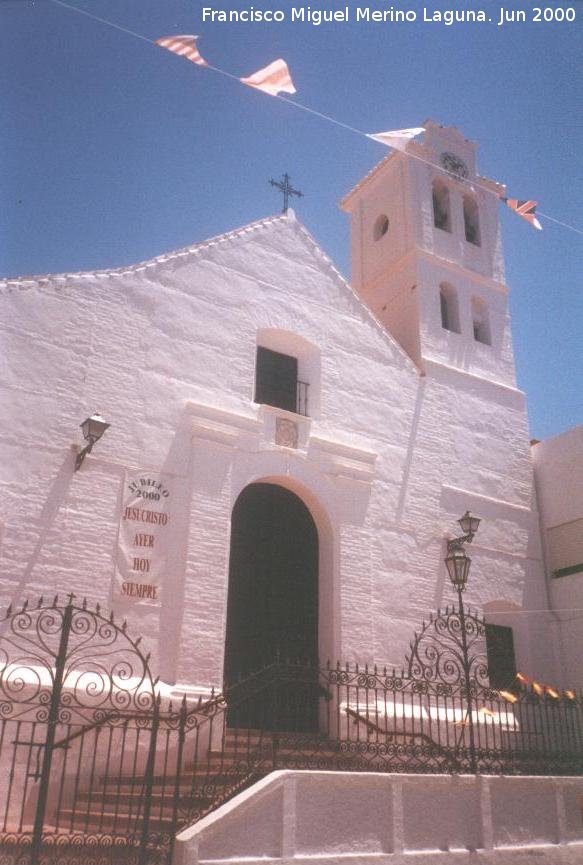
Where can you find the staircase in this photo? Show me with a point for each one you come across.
(105, 815)
(114, 808)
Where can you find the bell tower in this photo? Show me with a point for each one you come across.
(427, 255)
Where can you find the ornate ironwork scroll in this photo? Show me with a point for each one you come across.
(439, 656)
(450, 653)
(65, 672)
(104, 671)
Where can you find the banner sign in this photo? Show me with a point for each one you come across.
(143, 540)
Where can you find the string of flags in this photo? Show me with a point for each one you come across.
(511, 697)
(539, 689)
(275, 79)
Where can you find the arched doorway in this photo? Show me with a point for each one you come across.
(272, 609)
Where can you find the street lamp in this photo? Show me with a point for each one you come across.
(469, 526)
(458, 567)
(93, 428)
(457, 561)
(458, 564)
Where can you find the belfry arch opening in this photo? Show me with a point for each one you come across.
(272, 608)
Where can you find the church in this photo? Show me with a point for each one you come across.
(270, 469)
(286, 453)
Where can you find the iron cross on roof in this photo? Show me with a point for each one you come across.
(287, 189)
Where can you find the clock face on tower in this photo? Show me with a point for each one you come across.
(454, 164)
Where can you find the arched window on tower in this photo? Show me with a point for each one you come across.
(441, 206)
(450, 314)
(481, 321)
(381, 226)
(471, 220)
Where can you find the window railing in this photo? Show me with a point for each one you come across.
(302, 389)
(286, 399)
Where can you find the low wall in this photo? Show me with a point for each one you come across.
(352, 817)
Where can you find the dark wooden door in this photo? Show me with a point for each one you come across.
(273, 587)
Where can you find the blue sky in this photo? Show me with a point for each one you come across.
(113, 150)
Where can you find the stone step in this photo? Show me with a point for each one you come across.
(202, 776)
(110, 822)
(159, 801)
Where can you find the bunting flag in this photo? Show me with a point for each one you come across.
(184, 46)
(509, 696)
(545, 689)
(526, 209)
(274, 79)
(396, 138)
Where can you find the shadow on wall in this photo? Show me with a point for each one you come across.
(57, 495)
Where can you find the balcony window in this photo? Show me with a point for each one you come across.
(277, 383)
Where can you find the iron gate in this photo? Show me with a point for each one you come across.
(76, 696)
(95, 770)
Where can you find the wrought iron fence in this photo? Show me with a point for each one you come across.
(93, 765)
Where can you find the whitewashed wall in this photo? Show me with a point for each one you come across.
(166, 351)
(558, 465)
(336, 817)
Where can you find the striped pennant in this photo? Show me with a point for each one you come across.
(526, 209)
(184, 46)
(273, 79)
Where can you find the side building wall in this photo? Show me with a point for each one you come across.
(558, 465)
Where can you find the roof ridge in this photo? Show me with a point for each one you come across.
(289, 218)
(123, 270)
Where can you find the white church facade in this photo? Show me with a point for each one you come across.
(287, 453)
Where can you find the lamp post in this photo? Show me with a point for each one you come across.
(93, 428)
(458, 567)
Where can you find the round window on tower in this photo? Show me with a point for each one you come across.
(381, 226)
